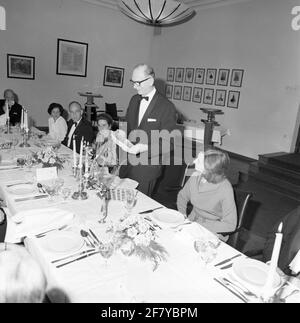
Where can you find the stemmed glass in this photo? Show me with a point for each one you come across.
(15, 142)
(29, 162)
(206, 250)
(51, 189)
(106, 250)
(66, 192)
(130, 199)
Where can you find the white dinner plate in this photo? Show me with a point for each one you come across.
(63, 242)
(22, 189)
(168, 217)
(253, 272)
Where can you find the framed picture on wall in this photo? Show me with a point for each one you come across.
(236, 77)
(208, 96)
(177, 92)
(233, 99)
(20, 66)
(169, 91)
(113, 76)
(189, 75)
(199, 75)
(187, 93)
(211, 74)
(179, 74)
(220, 98)
(170, 74)
(223, 77)
(197, 94)
(71, 58)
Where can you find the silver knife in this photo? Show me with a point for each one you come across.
(36, 197)
(74, 255)
(232, 290)
(151, 210)
(82, 257)
(20, 183)
(228, 259)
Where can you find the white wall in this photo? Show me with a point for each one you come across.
(33, 27)
(255, 36)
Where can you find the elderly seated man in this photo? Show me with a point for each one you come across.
(21, 277)
(15, 109)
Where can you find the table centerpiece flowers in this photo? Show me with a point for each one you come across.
(135, 235)
(48, 158)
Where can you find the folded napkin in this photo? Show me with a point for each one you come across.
(295, 263)
(32, 222)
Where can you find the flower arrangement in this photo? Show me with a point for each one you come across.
(48, 158)
(135, 235)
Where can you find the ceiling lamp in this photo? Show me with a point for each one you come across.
(156, 12)
(2, 19)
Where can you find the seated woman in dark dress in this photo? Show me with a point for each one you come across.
(2, 225)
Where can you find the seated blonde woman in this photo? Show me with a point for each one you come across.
(210, 194)
(21, 278)
(106, 150)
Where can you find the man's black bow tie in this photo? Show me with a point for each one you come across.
(144, 97)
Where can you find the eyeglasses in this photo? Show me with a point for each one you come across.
(138, 83)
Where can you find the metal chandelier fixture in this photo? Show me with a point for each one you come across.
(156, 12)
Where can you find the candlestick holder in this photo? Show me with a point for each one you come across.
(24, 142)
(8, 129)
(80, 194)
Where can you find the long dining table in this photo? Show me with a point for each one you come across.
(183, 277)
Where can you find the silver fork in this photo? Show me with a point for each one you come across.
(243, 289)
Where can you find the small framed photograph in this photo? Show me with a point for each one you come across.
(170, 74)
(187, 93)
(71, 58)
(197, 94)
(20, 67)
(223, 77)
(220, 99)
(189, 75)
(169, 91)
(113, 76)
(177, 92)
(208, 96)
(199, 75)
(211, 76)
(179, 74)
(233, 99)
(236, 77)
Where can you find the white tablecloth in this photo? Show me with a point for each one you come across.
(182, 278)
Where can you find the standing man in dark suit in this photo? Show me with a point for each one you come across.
(149, 112)
(10, 102)
(78, 127)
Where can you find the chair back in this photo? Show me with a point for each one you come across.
(242, 199)
(111, 109)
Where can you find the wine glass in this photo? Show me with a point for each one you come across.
(130, 199)
(59, 183)
(29, 162)
(106, 250)
(66, 192)
(207, 251)
(51, 190)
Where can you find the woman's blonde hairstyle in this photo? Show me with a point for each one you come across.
(21, 278)
(215, 164)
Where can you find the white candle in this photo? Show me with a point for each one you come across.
(26, 120)
(86, 160)
(81, 152)
(22, 119)
(6, 111)
(74, 153)
(268, 287)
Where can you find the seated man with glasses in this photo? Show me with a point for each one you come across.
(148, 111)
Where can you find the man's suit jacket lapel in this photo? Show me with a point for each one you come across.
(148, 111)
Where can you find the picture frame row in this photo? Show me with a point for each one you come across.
(206, 96)
(71, 60)
(209, 76)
